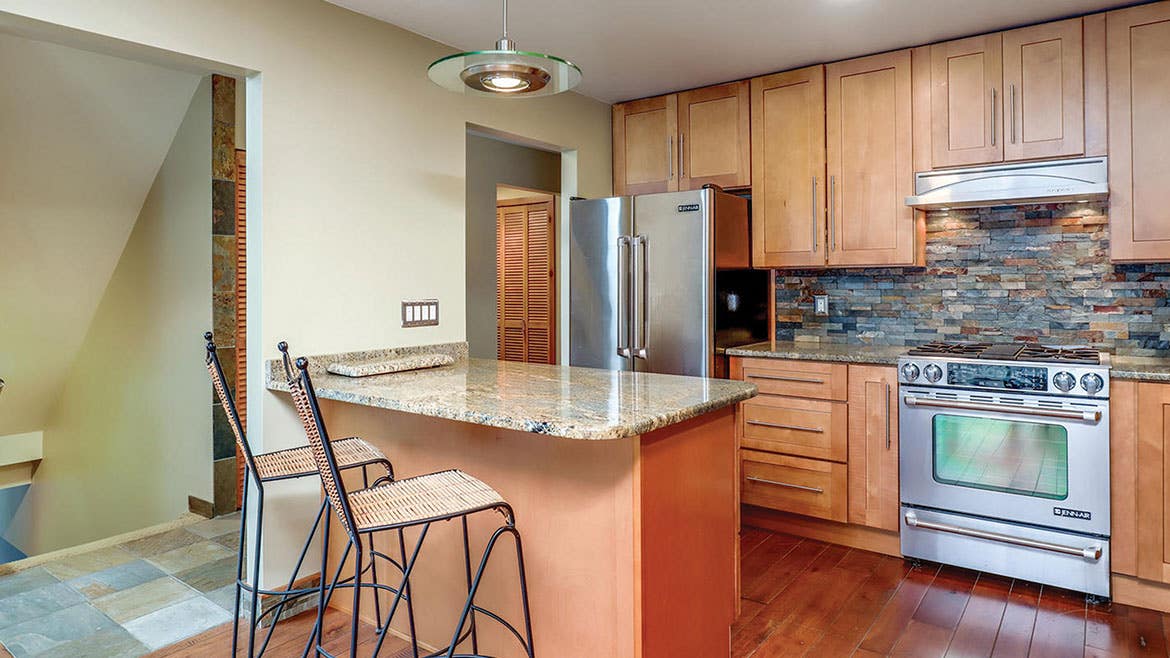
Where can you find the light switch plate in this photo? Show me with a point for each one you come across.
(821, 304)
(420, 312)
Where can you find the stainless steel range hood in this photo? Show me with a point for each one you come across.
(1011, 184)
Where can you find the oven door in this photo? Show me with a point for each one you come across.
(1039, 460)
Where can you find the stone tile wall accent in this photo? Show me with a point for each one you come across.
(223, 275)
(1038, 272)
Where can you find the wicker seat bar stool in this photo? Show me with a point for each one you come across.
(415, 502)
(264, 468)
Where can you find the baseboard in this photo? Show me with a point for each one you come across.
(1141, 593)
(845, 534)
(201, 507)
(37, 560)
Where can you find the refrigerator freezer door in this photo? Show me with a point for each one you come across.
(599, 274)
(674, 272)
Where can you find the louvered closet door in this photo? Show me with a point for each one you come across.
(526, 298)
(512, 288)
(539, 317)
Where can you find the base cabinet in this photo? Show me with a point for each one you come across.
(821, 442)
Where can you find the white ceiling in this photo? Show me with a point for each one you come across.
(632, 49)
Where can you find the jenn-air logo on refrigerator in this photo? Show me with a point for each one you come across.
(688, 207)
(1072, 513)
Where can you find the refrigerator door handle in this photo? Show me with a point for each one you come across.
(639, 301)
(623, 297)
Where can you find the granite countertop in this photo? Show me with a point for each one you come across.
(562, 401)
(1144, 368)
(875, 354)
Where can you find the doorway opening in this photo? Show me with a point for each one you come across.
(515, 242)
(118, 262)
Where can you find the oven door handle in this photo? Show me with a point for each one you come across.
(1088, 552)
(1086, 416)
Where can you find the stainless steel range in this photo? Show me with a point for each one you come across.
(1004, 466)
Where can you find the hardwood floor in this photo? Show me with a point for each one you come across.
(807, 598)
(288, 640)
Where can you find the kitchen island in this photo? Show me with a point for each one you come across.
(624, 486)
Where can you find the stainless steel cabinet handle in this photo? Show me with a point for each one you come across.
(1088, 552)
(1087, 416)
(814, 215)
(640, 296)
(782, 426)
(682, 156)
(785, 378)
(993, 116)
(785, 484)
(1012, 88)
(832, 213)
(887, 416)
(670, 157)
(623, 311)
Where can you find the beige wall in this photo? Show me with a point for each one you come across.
(81, 139)
(356, 177)
(130, 437)
(491, 162)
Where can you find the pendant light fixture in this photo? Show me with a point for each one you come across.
(504, 71)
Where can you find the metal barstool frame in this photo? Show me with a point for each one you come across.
(305, 399)
(252, 478)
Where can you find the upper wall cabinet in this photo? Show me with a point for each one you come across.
(683, 141)
(966, 85)
(788, 169)
(645, 146)
(869, 146)
(1017, 95)
(714, 137)
(1139, 132)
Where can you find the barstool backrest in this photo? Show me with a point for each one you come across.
(305, 400)
(228, 401)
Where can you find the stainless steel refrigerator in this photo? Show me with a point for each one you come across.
(658, 282)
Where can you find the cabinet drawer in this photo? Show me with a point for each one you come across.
(812, 487)
(802, 379)
(795, 426)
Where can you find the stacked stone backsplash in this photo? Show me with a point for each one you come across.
(1037, 273)
(223, 280)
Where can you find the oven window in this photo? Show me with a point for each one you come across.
(1029, 459)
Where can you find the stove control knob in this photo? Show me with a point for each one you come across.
(910, 372)
(1064, 381)
(933, 373)
(1092, 383)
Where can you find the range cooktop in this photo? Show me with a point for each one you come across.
(1011, 352)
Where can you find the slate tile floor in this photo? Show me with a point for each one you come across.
(126, 600)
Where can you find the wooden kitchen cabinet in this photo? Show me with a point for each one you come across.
(1043, 85)
(1138, 56)
(869, 137)
(714, 136)
(683, 141)
(966, 91)
(788, 169)
(873, 446)
(1016, 95)
(645, 147)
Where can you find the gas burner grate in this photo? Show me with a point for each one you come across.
(1042, 353)
(1011, 352)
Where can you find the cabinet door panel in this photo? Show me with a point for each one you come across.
(1138, 48)
(1123, 476)
(873, 447)
(1043, 78)
(870, 160)
(644, 146)
(715, 136)
(788, 169)
(1153, 421)
(966, 103)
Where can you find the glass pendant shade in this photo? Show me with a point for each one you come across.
(504, 72)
